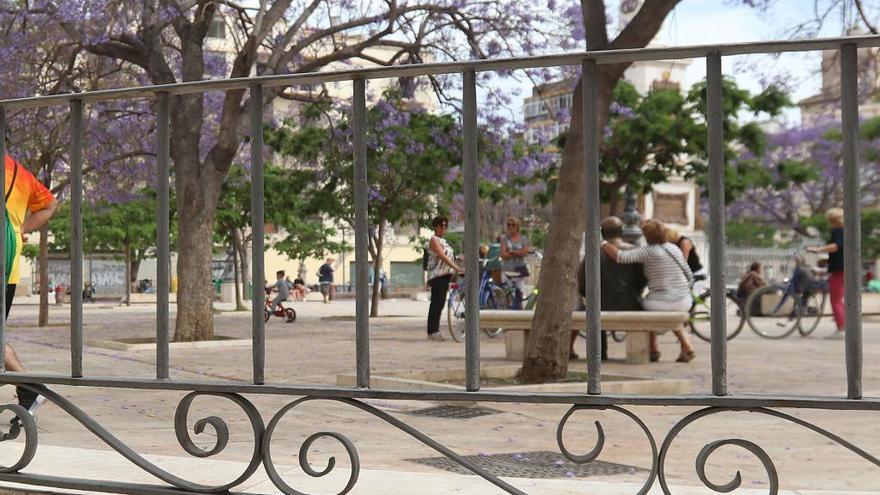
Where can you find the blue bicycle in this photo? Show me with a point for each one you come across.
(776, 311)
(491, 296)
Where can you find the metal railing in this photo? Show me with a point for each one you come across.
(593, 398)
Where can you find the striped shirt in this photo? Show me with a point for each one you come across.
(665, 268)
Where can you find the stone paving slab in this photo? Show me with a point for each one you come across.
(314, 350)
(83, 463)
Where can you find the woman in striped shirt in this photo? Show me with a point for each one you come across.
(669, 279)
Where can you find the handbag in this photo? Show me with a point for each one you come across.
(11, 236)
(689, 276)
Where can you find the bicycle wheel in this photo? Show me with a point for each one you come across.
(811, 312)
(532, 301)
(266, 315)
(290, 314)
(497, 300)
(701, 314)
(771, 312)
(455, 315)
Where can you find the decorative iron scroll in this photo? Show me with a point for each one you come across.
(754, 449)
(600, 441)
(262, 453)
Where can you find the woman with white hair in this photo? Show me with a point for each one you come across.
(834, 248)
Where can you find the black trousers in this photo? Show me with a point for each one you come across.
(439, 289)
(10, 295)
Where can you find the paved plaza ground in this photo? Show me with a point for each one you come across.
(316, 348)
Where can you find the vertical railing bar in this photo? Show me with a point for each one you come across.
(849, 80)
(3, 273)
(361, 226)
(471, 232)
(590, 140)
(718, 316)
(163, 254)
(76, 242)
(257, 249)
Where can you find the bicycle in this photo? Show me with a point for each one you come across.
(529, 302)
(490, 297)
(289, 314)
(776, 311)
(700, 314)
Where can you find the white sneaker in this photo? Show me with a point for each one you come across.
(31, 409)
(837, 335)
(436, 337)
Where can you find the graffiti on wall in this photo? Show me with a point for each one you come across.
(106, 275)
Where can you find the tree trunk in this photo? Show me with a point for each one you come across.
(197, 183)
(135, 265)
(43, 318)
(239, 303)
(613, 199)
(245, 262)
(127, 252)
(546, 356)
(195, 292)
(377, 265)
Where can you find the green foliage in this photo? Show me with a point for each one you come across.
(649, 136)
(740, 138)
(408, 163)
(750, 233)
(112, 227)
(305, 235)
(870, 129)
(30, 251)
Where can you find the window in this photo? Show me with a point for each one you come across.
(217, 29)
(534, 108)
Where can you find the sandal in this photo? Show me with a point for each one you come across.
(685, 357)
(655, 356)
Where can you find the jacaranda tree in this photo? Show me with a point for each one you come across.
(167, 41)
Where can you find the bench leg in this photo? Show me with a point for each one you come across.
(515, 344)
(638, 347)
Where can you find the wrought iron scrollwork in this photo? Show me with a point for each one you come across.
(263, 446)
(304, 463)
(29, 426)
(751, 447)
(352, 452)
(180, 428)
(600, 441)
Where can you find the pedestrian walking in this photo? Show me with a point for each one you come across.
(836, 289)
(325, 280)
(25, 197)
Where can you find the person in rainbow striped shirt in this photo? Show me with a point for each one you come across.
(29, 205)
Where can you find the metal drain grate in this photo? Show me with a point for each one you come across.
(455, 412)
(540, 465)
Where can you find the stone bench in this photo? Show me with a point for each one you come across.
(637, 324)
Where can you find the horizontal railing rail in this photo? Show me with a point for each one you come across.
(440, 68)
(329, 391)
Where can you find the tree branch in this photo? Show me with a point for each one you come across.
(864, 17)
